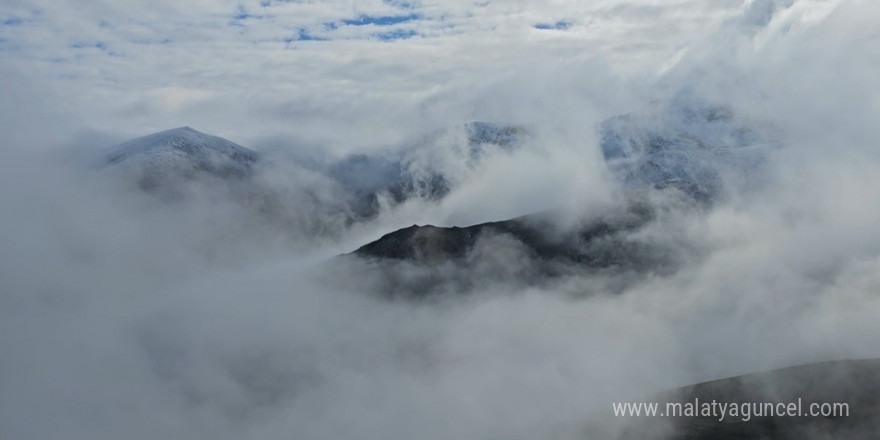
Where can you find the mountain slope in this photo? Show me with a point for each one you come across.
(691, 146)
(599, 244)
(181, 153)
(428, 170)
(854, 382)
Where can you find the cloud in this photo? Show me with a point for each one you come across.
(272, 50)
(124, 316)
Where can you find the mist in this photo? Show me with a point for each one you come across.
(124, 314)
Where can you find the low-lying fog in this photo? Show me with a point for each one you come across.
(126, 315)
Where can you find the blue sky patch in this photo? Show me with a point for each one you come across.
(397, 34)
(303, 34)
(242, 15)
(381, 20)
(89, 45)
(559, 25)
(11, 21)
(268, 3)
(401, 4)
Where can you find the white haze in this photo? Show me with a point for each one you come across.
(122, 316)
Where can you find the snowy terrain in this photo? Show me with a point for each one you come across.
(688, 145)
(183, 152)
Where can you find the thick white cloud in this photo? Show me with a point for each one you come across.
(115, 62)
(124, 317)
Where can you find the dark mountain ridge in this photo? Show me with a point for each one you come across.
(604, 243)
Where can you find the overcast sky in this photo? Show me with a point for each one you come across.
(250, 69)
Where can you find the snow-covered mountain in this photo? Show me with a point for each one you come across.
(693, 147)
(482, 135)
(338, 192)
(428, 169)
(682, 145)
(181, 153)
(685, 145)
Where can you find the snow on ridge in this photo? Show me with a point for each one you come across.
(183, 151)
(683, 144)
(186, 140)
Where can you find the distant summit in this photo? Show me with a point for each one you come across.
(428, 170)
(687, 145)
(181, 153)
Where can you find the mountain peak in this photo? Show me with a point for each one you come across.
(183, 151)
(682, 144)
(183, 129)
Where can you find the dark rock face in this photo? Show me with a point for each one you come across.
(855, 383)
(599, 244)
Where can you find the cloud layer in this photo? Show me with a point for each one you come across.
(125, 316)
(247, 70)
